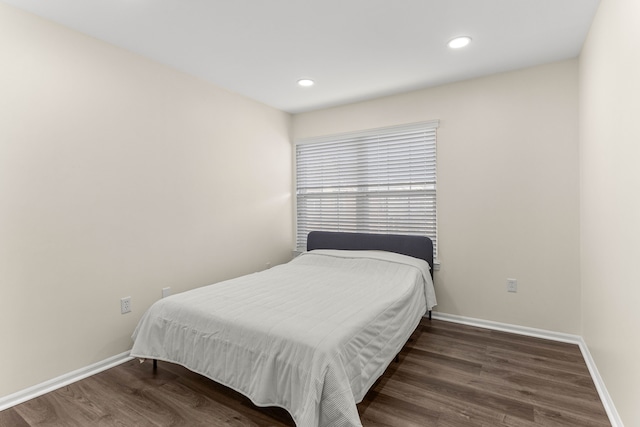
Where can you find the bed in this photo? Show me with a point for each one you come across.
(310, 336)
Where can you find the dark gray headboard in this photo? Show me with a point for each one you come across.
(415, 246)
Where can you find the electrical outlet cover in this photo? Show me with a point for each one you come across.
(125, 305)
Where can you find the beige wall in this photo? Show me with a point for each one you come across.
(119, 177)
(610, 200)
(507, 189)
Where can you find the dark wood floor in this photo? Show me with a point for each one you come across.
(448, 375)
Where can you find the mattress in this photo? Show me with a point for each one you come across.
(310, 336)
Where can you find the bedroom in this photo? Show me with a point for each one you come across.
(113, 189)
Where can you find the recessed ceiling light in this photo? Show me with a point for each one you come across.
(306, 82)
(459, 42)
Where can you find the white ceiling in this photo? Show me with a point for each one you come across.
(353, 49)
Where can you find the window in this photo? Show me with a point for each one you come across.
(379, 181)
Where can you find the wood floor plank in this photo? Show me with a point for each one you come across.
(448, 375)
(459, 391)
(11, 418)
(492, 380)
(467, 413)
(233, 400)
(403, 411)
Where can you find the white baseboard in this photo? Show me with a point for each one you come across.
(505, 327)
(61, 381)
(614, 417)
(612, 413)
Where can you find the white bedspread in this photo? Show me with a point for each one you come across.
(310, 336)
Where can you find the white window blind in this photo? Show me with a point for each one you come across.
(379, 181)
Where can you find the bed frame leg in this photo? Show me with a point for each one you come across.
(155, 364)
(429, 314)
